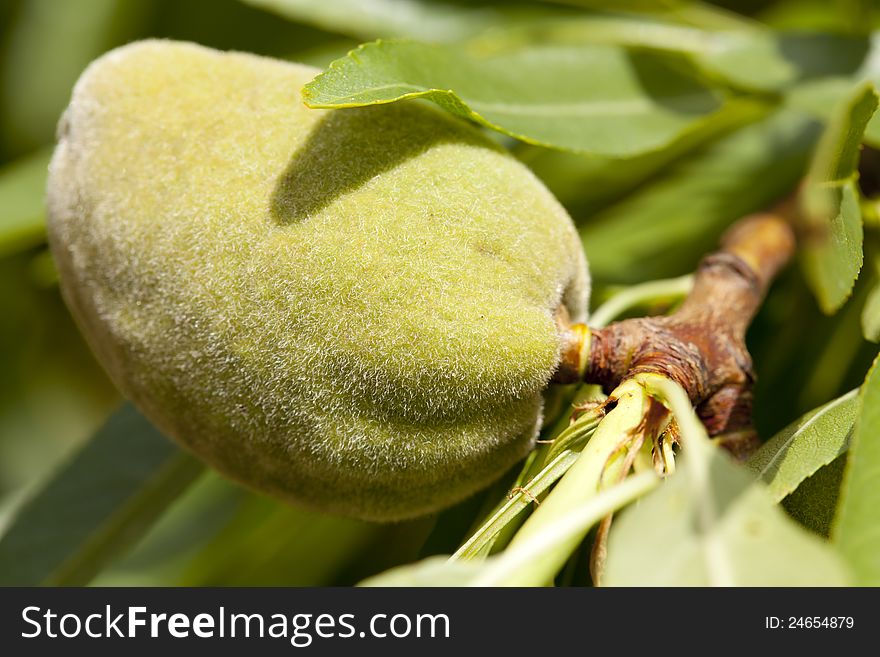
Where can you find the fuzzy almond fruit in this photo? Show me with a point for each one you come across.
(352, 310)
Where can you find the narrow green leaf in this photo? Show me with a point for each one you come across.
(601, 461)
(685, 12)
(812, 504)
(433, 571)
(559, 458)
(45, 49)
(833, 354)
(812, 15)
(871, 315)
(872, 132)
(832, 252)
(856, 15)
(22, 215)
(716, 526)
(633, 31)
(544, 466)
(161, 556)
(769, 61)
(821, 96)
(837, 154)
(672, 290)
(638, 6)
(97, 505)
(267, 543)
(516, 565)
(416, 19)
(814, 70)
(749, 542)
(663, 228)
(525, 562)
(586, 184)
(804, 446)
(591, 99)
(857, 524)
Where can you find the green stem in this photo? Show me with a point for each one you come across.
(539, 476)
(602, 458)
(517, 565)
(632, 297)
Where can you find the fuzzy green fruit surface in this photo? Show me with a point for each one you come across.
(352, 310)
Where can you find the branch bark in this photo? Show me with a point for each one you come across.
(702, 345)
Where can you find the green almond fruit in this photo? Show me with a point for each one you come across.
(352, 310)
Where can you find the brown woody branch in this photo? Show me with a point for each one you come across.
(702, 345)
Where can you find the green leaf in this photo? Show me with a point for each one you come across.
(267, 543)
(533, 558)
(872, 132)
(563, 453)
(433, 571)
(806, 445)
(748, 541)
(834, 354)
(585, 184)
(769, 61)
(516, 566)
(97, 505)
(820, 97)
(46, 47)
(589, 99)
(712, 524)
(22, 213)
(832, 252)
(814, 70)
(803, 15)
(856, 14)
(669, 292)
(431, 21)
(634, 31)
(685, 12)
(162, 555)
(632, 5)
(812, 503)
(665, 227)
(837, 154)
(601, 462)
(871, 315)
(857, 524)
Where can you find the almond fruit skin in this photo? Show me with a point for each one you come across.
(352, 310)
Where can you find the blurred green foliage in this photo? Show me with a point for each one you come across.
(646, 217)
